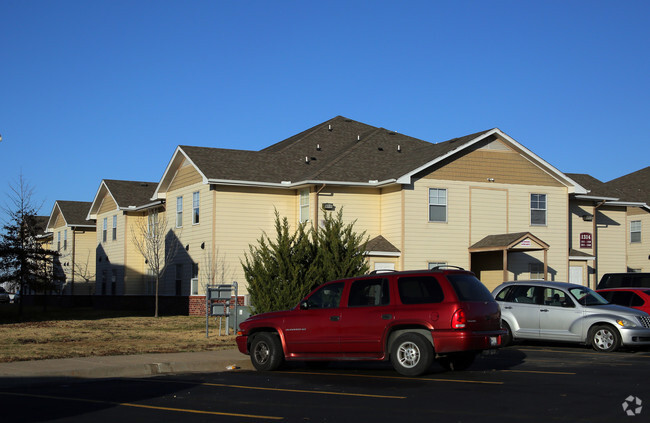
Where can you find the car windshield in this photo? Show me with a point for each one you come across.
(587, 297)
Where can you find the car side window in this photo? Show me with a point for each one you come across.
(369, 292)
(328, 296)
(557, 298)
(525, 294)
(419, 290)
(503, 294)
(636, 300)
(623, 298)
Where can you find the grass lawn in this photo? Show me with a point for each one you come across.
(63, 333)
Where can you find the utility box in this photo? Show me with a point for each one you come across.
(219, 299)
(243, 313)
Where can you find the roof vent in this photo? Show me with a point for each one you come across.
(307, 159)
(399, 148)
(380, 148)
(144, 184)
(317, 147)
(329, 128)
(391, 133)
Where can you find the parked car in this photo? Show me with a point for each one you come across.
(4, 296)
(557, 311)
(638, 298)
(624, 280)
(409, 318)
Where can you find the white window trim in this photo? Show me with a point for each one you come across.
(446, 205)
(545, 209)
(196, 207)
(303, 205)
(179, 213)
(633, 231)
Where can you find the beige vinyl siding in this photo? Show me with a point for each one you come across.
(392, 219)
(577, 209)
(611, 240)
(638, 252)
(359, 205)
(504, 166)
(107, 205)
(84, 248)
(135, 269)
(185, 176)
(489, 212)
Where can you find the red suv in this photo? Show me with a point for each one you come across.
(409, 317)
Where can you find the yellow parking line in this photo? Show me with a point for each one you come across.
(128, 404)
(399, 377)
(301, 391)
(539, 372)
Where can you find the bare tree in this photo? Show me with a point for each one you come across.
(150, 237)
(86, 272)
(215, 270)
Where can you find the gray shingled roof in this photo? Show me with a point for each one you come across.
(75, 212)
(634, 186)
(596, 188)
(130, 193)
(338, 150)
(379, 243)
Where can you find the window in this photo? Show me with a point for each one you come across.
(635, 231)
(437, 205)
(152, 220)
(328, 296)
(179, 212)
(538, 209)
(104, 229)
(58, 241)
(419, 290)
(195, 208)
(304, 205)
(369, 292)
(113, 281)
(65, 239)
(434, 264)
(536, 271)
(114, 227)
(557, 298)
(179, 278)
(104, 282)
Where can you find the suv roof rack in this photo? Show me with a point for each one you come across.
(378, 271)
(446, 266)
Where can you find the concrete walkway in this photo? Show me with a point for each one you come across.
(123, 366)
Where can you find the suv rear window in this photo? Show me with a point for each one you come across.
(419, 290)
(469, 288)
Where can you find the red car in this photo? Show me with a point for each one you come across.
(638, 298)
(409, 318)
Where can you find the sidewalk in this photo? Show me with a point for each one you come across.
(123, 365)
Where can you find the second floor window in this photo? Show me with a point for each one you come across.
(635, 231)
(304, 205)
(114, 227)
(153, 223)
(195, 208)
(437, 205)
(538, 209)
(65, 240)
(104, 229)
(58, 241)
(179, 212)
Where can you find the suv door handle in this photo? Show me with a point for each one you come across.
(335, 318)
(544, 310)
(386, 316)
(508, 307)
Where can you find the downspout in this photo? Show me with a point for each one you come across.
(74, 249)
(595, 243)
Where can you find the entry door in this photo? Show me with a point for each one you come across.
(575, 275)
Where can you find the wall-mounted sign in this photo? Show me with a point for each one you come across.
(585, 240)
(525, 243)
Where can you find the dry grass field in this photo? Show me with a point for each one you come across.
(82, 333)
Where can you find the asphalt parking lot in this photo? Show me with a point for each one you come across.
(526, 382)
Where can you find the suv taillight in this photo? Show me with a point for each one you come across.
(458, 320)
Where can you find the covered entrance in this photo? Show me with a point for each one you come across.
(489, 256)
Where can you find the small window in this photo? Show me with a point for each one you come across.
(153, 223)
(58, 241)
(538, 209)
(434, 264)
(369, 292)
(557, 298)
(104, 282)
(503, 294)
(194, 286)
(437, 205)
(65, 240)
(104, 229)
(114, 227)
(635, 231)
(179, 212)
(195, 208)
(304, 205)
(536, 271)
(419, 290)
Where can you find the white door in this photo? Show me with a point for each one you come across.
(575, 275)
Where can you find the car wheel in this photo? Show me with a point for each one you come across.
(507, 338)
(604, 338)
(457, 361)
(266, 351)
(411, 354)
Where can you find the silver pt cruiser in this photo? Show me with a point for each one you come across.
(558, 311)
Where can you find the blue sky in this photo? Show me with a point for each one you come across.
(106, 89)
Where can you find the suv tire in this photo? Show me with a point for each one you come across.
(266, 351)
(411, 354)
